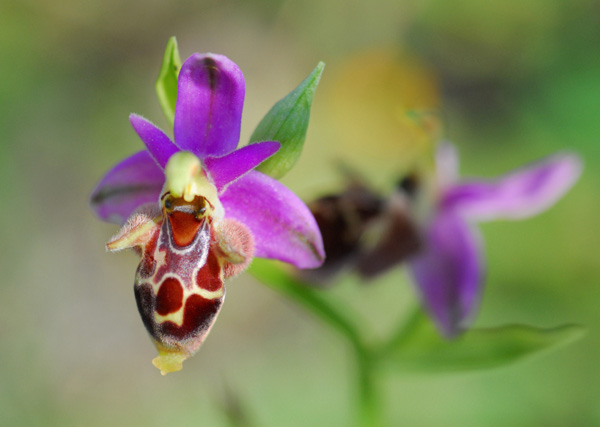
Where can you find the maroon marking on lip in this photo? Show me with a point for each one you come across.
(209, 276)
(198, 316)
(144, 297)
(170, 297)
(147, 265)
(184, 226)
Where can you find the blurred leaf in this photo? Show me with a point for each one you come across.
(166, 84)
(420, 347)
(317, 301)
(287, 122)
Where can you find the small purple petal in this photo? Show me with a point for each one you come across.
(448, 273)
(520, 194)
(224, 170)
(208, 112)
(158, 144)
(281, 223)
(131, 183)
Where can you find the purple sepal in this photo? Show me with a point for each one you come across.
(520, 194)
(282, 225)
(448, 273)
(224, 170)
(131, 183)
(158, 144)
(208, 111)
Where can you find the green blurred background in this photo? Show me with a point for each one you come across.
(514, 81)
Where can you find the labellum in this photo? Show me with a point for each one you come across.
(187, 251)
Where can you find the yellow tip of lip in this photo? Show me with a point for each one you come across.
(169, 362)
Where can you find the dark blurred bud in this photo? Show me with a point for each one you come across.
(343, 219)
(364, 232)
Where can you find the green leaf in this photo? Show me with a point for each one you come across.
(317, 301)
(420, 348)
(166, 84)
(287, 122)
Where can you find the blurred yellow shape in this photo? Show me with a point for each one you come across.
(168, 361)
(382, 110)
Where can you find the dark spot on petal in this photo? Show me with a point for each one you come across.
(198, 316)
(213, 70)
(148, 263)
(209, 276)
(123, 191)
(144, 297)
(170, 297)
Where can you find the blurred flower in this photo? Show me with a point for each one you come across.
(449, 268)
(214, 212)
(431, 228)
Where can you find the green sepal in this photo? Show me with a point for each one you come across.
(287, 122)
(166, 84)
(420, 348)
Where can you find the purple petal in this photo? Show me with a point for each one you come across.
(224, 170)
(158, 144)
(128, 185)
(281, 223)
(448, 273)
(208, 112)
(520, 194)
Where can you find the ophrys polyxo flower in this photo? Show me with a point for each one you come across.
(208, 218)
(428, 222)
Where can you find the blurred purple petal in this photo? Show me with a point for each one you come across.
(208, 112)
(226, 169)
(520, 194)
(157, 143)
(131, 183)
(448, 273)
(282, 224)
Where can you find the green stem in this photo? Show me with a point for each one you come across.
(405, 328)
(369, 408)
(312, 299)
(315, 301)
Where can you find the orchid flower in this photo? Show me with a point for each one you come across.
(197, 211)
(431, 226)
(448, 269)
